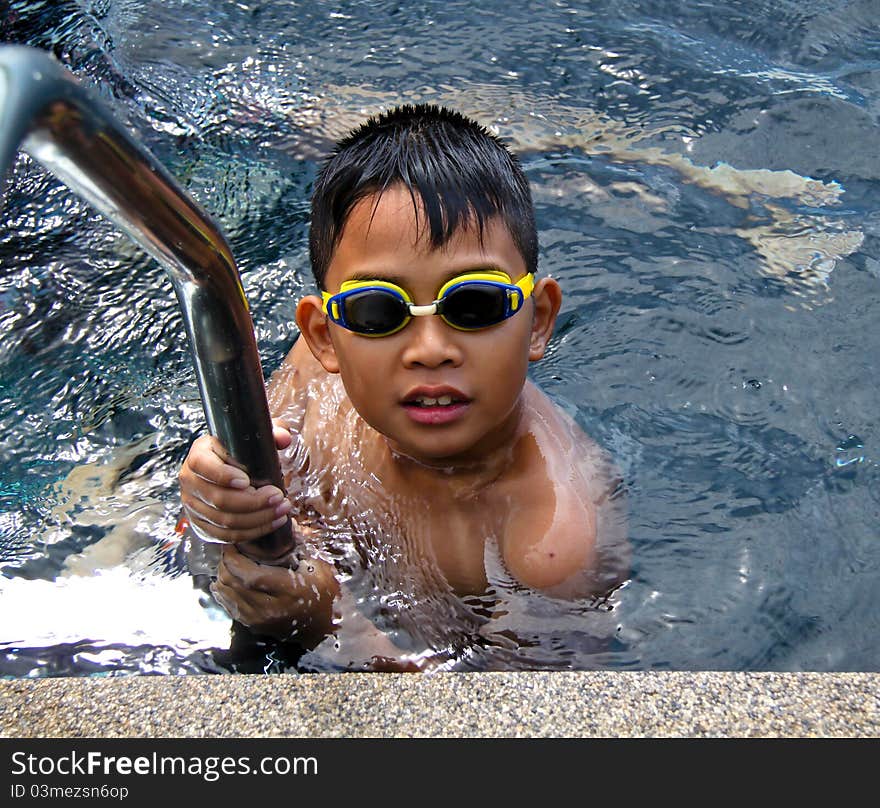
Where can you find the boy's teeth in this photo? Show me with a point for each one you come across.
(425, 401)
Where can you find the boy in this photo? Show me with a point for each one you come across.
(412, 426)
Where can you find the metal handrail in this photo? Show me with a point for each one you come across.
(46, 112)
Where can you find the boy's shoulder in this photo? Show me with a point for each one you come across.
(551, 496)
(558, 444)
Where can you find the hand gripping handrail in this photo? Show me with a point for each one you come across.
(48, 114)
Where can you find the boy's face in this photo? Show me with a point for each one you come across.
(438, 395)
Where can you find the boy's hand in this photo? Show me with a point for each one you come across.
(301, 605)
(219, 499)
(278, 601)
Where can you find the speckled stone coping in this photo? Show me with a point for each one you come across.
(528, 705)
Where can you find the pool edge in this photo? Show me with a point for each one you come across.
(522, 704)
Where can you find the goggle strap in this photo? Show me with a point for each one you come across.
(326, 297)
(526, 284)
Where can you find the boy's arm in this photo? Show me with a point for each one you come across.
(221, 505)
(309, 605)
(583, 552)
(565, 531)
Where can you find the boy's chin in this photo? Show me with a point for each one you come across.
(438, 456)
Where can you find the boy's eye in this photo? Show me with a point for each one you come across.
(374, 310)
(475, 306)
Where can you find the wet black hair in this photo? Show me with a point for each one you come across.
(461, 172)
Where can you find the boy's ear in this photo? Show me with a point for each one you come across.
(548, 298)
(313, 325)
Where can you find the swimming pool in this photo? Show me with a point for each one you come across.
(706, 183)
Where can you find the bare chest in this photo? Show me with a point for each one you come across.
(453, 537)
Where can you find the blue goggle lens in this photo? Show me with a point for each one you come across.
(373, 311)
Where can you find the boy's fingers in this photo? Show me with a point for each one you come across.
(226, 598)
(252, 609)
(209, 460)
(248, 519)
(237, 570)
(233, 570)
(265, 503)
(236, 532)
(234, 509)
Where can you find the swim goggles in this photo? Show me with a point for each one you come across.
(468, 302)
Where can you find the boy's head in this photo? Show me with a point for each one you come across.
(421, 212)
(459, 172)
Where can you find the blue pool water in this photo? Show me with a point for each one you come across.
(706, 177)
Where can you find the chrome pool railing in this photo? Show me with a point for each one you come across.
(47, 113)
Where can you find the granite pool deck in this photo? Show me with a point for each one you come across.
(460, 705)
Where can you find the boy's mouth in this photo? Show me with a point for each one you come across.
(435, 405)
(427, 401)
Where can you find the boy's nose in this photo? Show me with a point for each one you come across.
(431, 343)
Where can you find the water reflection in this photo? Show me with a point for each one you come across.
(706, 194)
